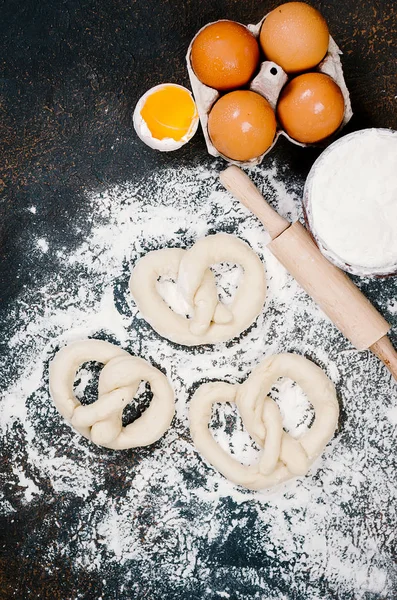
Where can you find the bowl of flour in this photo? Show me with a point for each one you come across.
(350, 202)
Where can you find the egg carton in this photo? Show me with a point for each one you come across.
(269, 82)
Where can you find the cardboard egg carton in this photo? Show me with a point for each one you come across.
(268, 82)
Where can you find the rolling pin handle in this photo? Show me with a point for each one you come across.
(241, 186)
(384, 350)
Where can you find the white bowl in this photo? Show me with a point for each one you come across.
(366, 136)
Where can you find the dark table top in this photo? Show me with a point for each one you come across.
(71, 74)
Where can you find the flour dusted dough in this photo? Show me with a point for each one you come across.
(211, 320)
(283, 456)
(101, 422)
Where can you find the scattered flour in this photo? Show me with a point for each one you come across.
(26, 484)
(42, 244)
(393, 307)
(160, 517)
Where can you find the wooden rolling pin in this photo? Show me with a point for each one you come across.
(330, 287)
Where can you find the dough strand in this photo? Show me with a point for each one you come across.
(211, 321)
(101, 421)
(282, 457)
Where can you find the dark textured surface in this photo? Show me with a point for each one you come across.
(71, 73)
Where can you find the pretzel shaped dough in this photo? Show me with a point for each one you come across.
(283, 457)
(211, 321)
(101, 422)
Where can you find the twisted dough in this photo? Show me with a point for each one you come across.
(211, 320)
(101, 422)
(283, 456)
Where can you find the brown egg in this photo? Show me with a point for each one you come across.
(295, 36)
(311, 107)
(225, 55)
(242, 125)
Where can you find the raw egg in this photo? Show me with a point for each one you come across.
(242, 125)
(224, 55)
(165, 118)
(295, 36)
(311, 107)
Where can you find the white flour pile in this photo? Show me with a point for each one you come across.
(354, 200)
(160, 519)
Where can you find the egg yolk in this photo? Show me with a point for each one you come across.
(311, 107)
(295, 36)
(169, 112)
(242, 125)
(224, 55)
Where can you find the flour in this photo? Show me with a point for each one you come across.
(393, 307)
(160, 519)
(29, 486)
(353, 200)
(42, 244)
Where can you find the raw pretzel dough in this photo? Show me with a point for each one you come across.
(283, 456)
(211, 320)
(101, 422)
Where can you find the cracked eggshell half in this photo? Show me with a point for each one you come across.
(167, 143)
